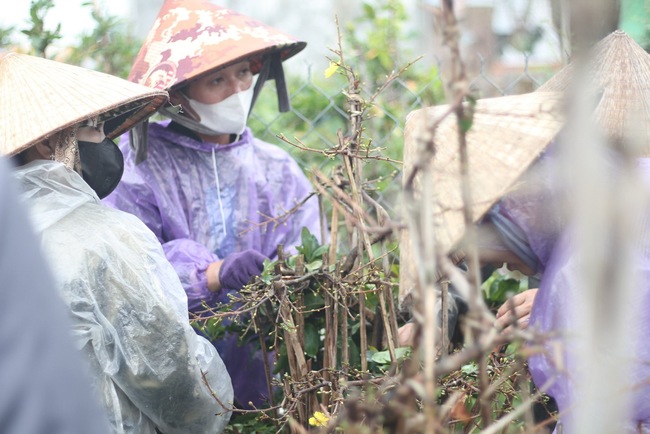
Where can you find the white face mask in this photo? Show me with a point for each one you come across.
(228, 116)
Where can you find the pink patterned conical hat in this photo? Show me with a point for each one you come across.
(192, 37)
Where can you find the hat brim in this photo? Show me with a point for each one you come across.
(255, 57)
(41, 97)
(506, 136)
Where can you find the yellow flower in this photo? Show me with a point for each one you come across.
(319, 419)
(329, 72)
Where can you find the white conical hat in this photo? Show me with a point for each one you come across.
(507, 135)
(40, 97)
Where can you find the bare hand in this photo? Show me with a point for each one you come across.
(212, 275)
(406, 334)
(516, 310)
(406, 337)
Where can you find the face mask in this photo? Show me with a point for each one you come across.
(228, 116)
(102, 165)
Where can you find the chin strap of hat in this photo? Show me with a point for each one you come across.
(139, 139)
(272, 70)
(277, 72)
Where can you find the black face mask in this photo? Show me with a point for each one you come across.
(102, 165)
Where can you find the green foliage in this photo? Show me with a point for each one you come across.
(40, 38)
(510, 387)
(250, 423)
(376, 45)
(311, 249)
(503, 284)
(381, 361)
(6, 36)
(110, 47)
(375, 41)
(318, 113)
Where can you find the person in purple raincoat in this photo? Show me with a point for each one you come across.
(530, 224)
(546, 244)
(219, 200)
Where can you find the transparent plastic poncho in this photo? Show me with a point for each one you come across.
(128, 308)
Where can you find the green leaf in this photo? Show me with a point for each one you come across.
(402, 353)
(314, 265)
(319, 252)
(381, 357)
(312, 340)
(313, 301)
(469, 369)
(369, 11)
(309, 245)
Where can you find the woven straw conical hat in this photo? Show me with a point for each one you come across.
(619, 69)
(40, 97)
(192, 37)
(507, 135)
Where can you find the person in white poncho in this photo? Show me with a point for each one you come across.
(128, 308)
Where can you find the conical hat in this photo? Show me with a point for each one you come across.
(192, 37)
(40, 97)
(620, 69)
(507, 135)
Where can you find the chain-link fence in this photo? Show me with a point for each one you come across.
(319, 111)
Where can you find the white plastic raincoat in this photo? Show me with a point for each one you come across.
(128, 308)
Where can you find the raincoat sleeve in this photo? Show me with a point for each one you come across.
(189, 258)
(132, 312)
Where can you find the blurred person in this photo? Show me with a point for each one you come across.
(44, 389)
(529, 225)
(617, 69)
(219, 200)
(128, 309)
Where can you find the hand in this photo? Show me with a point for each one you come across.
(406, 334)
(522, 305)
(239, 268)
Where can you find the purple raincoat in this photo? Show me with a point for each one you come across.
(551, 243)
(205, 201)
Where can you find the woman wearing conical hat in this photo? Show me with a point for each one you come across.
(128, 308)
(520, 206)
(202, 183)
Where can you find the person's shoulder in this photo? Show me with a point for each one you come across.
(101, 224)
(123, 221)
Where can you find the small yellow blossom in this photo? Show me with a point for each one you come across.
(331, 69)
(319, 419)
